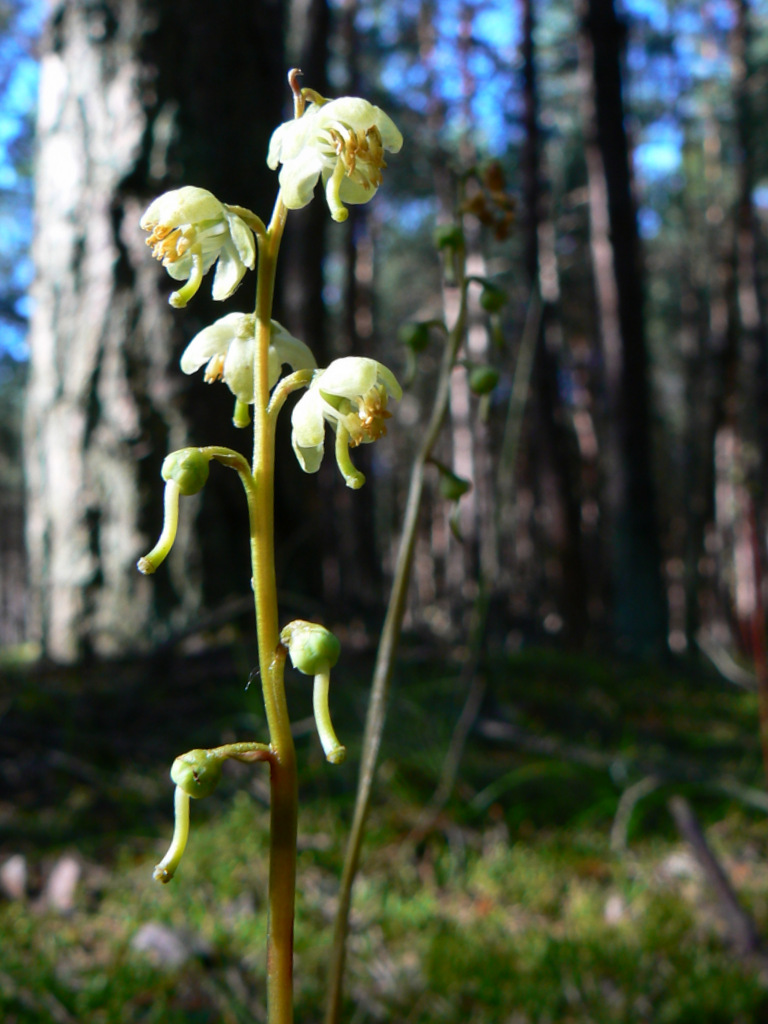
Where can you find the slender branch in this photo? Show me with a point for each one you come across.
(672, 770)
(431, 812)
(729, 669)
(388, 644)
(629, 799)
(744, 934)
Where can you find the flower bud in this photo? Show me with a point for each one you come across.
(415, 335)
(492, 298)
(312, 648)
(483, 379)
(198, 772)
(448, 236)
(452, 486)
(188, 468)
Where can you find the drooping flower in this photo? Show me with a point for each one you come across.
(227, 346)
(342, 141)
(351, 395)
(189, 231)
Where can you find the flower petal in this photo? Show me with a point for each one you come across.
(350, 110)
(307, 421)
(187, 205)
(288, 139)
(348, 377)
(274, 367)
(391, 137)
(289, 349)
(352, 191)
(242, 236)
(309, 458)
(390, 381)
(360, 115)
(211, 341)
(308, 434)
(229, 273)
(299, 177)
(181, 269)
(238, 368)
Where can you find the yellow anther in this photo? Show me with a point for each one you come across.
(215, 368)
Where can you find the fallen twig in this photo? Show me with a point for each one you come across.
(743, 931)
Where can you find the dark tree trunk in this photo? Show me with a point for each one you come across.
(750, 311)
(136, 97)
(553, 441)
(639, 605)
(299, 509)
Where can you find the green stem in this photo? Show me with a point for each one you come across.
(255, 223)
(385, 657)
(283, 779)
(285, 387)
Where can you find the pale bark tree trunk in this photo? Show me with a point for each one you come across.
(136, 97)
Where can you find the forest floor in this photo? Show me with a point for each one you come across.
(549, 885)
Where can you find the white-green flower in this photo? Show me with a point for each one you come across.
(351, 395)
(227, 347)
(343, 142)
(190, 231)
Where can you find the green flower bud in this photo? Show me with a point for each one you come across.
(197, 772)
(483, 379)
(187, 468)
(449, 236)
(312, 648)
(452, 486)
(415, 335)
(492, 298)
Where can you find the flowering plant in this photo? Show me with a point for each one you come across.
(190, 230)
(351, 395)
(343, 142)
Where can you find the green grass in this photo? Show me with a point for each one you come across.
(512, 910)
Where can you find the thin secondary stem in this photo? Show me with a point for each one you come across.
(283, 778)
(385, 657)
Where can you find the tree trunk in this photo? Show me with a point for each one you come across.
(751, 313)
(639, 606)
(554, 443)
(136, 97)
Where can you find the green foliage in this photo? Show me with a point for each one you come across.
(468, 932)
(515, 904)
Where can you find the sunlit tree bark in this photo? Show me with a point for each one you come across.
(136, 97)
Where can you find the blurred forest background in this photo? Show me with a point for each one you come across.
(619, 485)
(618, 513)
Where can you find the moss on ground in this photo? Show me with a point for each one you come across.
(511, 909)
